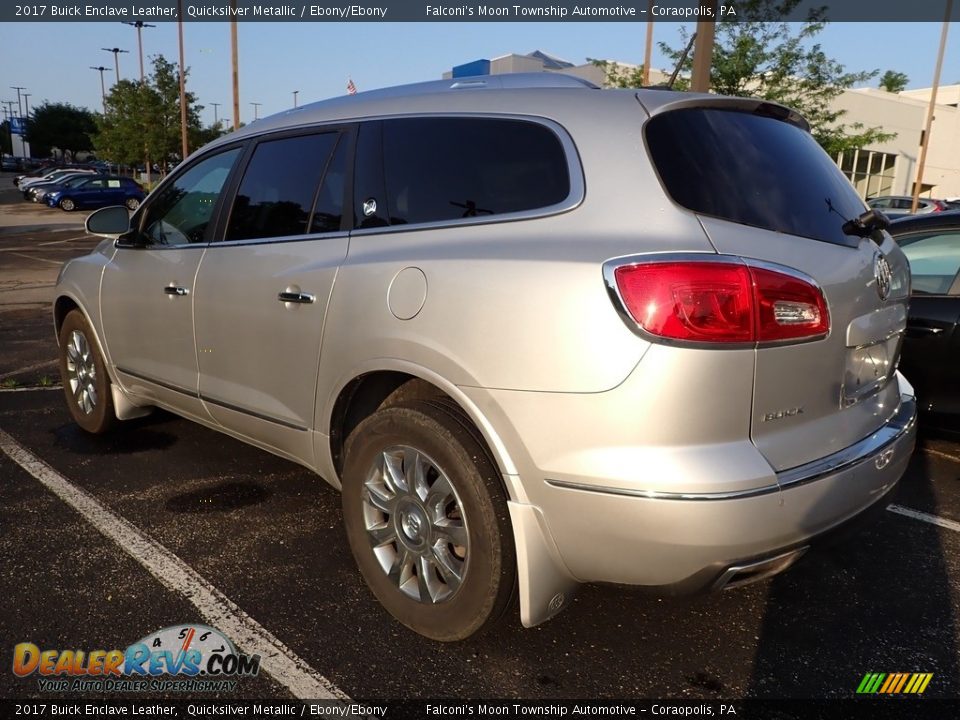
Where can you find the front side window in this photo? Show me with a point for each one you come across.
(441, 169)
(277, 193)
(181, 214)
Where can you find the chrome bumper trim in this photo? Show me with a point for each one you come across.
(870, 448)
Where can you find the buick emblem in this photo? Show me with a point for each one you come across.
(883, 274)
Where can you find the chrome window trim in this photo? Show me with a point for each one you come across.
(897, 427)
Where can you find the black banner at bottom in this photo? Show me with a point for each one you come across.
(874, 708)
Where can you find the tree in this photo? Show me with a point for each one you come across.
(758, 55)
(63, 126)
(143, 119)
(620, 76)
(893, 82)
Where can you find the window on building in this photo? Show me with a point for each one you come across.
(871, 172)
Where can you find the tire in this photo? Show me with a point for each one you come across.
(440, 560)
(84, 376)
(68, 205)
(132, 203)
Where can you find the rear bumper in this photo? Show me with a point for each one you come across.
(689, 542)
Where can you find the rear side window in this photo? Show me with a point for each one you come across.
(279, 186)
(752, 169)
(445, 169)
(934, 260)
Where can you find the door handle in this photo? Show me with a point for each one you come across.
(171, 290)
(296, 297)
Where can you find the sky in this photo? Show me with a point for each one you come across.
(52, 60)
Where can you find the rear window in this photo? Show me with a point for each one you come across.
(754, 170)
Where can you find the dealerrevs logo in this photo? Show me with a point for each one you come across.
(185, 658)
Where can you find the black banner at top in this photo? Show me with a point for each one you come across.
(470, 11)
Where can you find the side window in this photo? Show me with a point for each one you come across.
(328, 210)
(95, 184)
(443, 169)
(279, 186)
(182, 212)
(934, 261)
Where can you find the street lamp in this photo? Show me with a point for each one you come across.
(116, 59)
(183, 87)
(216, 120)
(256, 109)
(103, 87)
(19, 105)
(295, 97)
(139, 25)
(26, 119)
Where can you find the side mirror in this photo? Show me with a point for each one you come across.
(110, 222)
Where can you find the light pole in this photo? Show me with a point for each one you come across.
(103, 87)
(216, 119)
(26, 120)
(256, 110)
(234, 56)
(295, 92)
(183, 88)
(19, 105)
(925, 137)
(139, 25)
(116, 59)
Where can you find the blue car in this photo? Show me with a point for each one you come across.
(98, 191)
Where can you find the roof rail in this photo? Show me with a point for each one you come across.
(481, 82)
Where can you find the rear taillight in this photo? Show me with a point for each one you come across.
(721, 302)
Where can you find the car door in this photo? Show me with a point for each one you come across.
(90, 193)
(147, 288)
(262, 291)
(931, 352)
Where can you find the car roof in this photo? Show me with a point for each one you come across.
(513, 93)
(930, 221)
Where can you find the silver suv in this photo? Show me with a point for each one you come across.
(538, 334)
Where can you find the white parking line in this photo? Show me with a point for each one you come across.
(940, 454)
(29, 368)
(43, 260)
(277, 659)
(60, 242)
(30, 388)
(925, 517)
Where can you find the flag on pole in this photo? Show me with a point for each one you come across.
(351, 88)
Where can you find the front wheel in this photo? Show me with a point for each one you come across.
(68, 205)
(427, 520)
(84, 376)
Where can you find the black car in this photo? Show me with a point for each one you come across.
(931, 351)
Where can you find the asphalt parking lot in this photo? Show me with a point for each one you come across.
(106, 540)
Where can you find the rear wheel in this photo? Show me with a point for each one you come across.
(68, 205)
(132, 203)
(427, 520)
(84, 376)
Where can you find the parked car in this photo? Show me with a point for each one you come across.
(97, 191)
(44, 170)
(528, 329)
(36, 192)
(53, 176)
(898, 205)
(931, 351)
